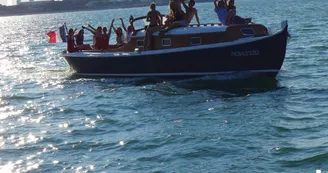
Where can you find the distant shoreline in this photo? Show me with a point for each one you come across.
(9, 14)
(12, 10)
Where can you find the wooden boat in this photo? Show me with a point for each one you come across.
(197, 50)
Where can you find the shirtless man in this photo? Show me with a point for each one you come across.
(155, 23)
(190, 13)
(154, 17)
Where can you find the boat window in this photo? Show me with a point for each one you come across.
(140, 43)
(247, 31)
(166, 42)
(195, 41)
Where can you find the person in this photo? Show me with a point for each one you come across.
(79, 37)
(97, 36)
(155, 24)
(232, 17)
(177, 12)
(106, 37)
(71, 46)
(130, 30)
(120, 40)
(175, 5)
(154, 17)
(221, 10)
(190, 13)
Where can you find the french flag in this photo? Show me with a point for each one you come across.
(58, 36)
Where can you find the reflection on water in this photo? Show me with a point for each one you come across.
(237, 87)
(54, 121)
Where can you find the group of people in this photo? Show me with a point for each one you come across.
(177, 17)
(101, 37)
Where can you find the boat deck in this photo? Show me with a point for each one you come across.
(193, 29)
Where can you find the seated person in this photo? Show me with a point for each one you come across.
(190, 12)
(221, 10)
(232, 18)
(97, 36)
(185, 21)
(71, 46)
(129, 31)
(175, 4)
(79, 37)
(120, 39)
(169, 19)
(106, 37)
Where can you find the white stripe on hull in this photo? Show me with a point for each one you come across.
(175, 74)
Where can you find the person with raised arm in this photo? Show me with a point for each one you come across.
(97, 36)
(221, 10)
(190, 13)
(119, 35)
(105, 42)
(232, 17)
(129, 31)
(79, 39)
(71, 46)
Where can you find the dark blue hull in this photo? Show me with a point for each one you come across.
(264, 55)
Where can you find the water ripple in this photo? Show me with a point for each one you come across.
(52, 120)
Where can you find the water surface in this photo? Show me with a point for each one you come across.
(51, 120)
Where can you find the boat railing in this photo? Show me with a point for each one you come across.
(206, 24)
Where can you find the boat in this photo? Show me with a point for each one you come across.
(196, 50)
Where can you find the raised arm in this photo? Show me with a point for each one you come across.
(91, 27)
(216, 4)
(123, 26)
(184, 5)
(110, 28)
(133, 29)
(114, 29)
(92, 31)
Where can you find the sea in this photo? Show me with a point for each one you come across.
(52, 120)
